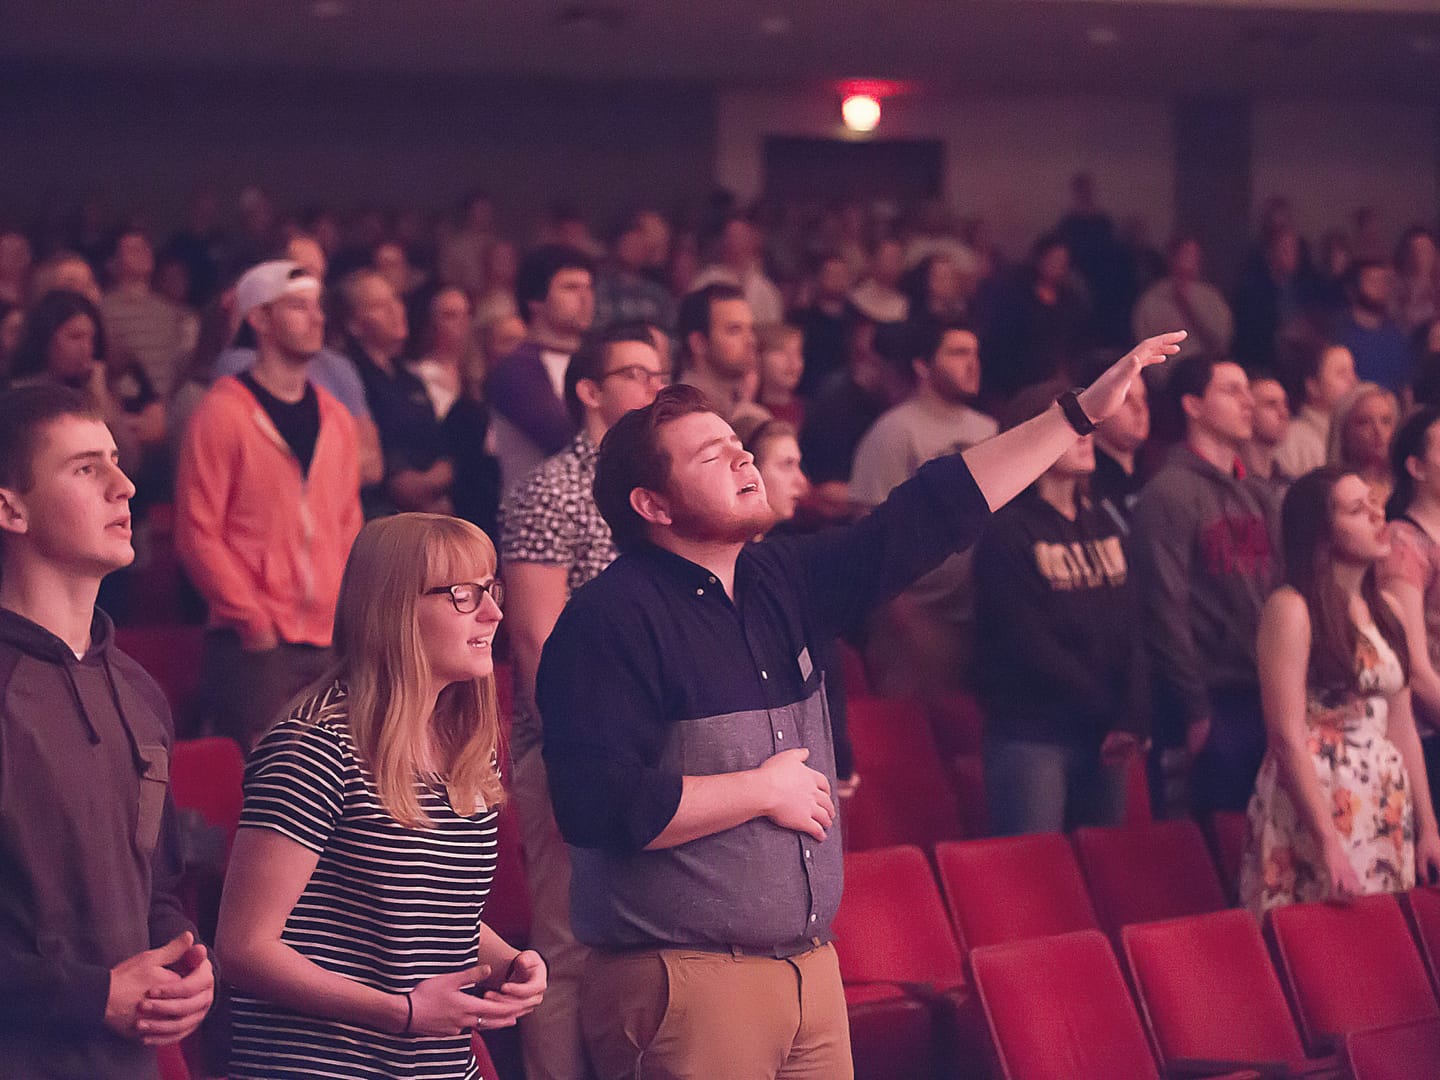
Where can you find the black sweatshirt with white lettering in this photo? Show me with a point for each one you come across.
(1058, 657)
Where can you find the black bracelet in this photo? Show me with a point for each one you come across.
(1069, 403)
(409, 1013)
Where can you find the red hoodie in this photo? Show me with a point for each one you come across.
(265, 544)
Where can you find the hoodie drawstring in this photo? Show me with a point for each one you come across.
(141, 763)
(80, 704)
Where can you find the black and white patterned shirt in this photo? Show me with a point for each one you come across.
(551, 519)
(387, 905)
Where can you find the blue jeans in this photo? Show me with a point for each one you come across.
(1222, 776)
(1050, 787)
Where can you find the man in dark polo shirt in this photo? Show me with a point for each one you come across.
(687, 735)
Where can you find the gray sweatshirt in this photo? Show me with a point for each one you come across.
(1206, 557)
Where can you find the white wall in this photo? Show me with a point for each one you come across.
(1332, 158)
(1009, 158)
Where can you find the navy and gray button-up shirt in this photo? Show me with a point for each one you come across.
(652, 673)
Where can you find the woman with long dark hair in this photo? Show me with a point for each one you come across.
(1410, 575)
(64, 342)
(1342, 804)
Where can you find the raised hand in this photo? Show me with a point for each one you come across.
(1103, 398)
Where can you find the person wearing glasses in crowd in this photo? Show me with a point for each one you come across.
(553, 541)
(687, 736)
(351, 918)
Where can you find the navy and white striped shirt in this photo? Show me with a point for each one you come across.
(387, 905)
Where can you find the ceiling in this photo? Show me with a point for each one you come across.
(1353, 48)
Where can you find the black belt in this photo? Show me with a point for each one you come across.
(776, 952)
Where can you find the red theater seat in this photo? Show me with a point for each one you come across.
(1423, 907)
(1057, 1009)
(1141, 873)
(1137, 793)
(892, 927)
(904, 796)
(891, 932)
(852, 671)
(482, 1057)
(1403, 1052)
(507, 908)
(1013, 888)
(205, 776)
(1208, 993)
(967, 780)
(171, 654)
(1229, 832)
(892, 1033)
(1349, 968)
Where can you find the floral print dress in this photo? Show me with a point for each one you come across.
(1363, 780)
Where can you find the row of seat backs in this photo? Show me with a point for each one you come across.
(1008, 897)
(922, 781)
(1211, 999)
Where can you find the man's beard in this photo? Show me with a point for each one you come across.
(734, 530)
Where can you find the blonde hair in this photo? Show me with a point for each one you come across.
(1340, 415)
(386, 672)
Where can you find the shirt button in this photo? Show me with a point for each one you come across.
(764, 674)
(807, 853)
(813, 917)
(699, 592)
(711, 580)
(779, 735)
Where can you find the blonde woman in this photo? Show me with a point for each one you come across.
(350, 925)
(1362, 425)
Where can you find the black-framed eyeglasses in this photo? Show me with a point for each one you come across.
(639, 373)
(468, 595)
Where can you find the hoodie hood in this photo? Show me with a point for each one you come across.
(34, 640)
(39, 643)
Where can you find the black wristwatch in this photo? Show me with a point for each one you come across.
(1069, 404)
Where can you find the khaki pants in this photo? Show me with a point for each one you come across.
(549, 1036)
(677, 1014)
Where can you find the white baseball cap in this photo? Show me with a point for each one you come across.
(269, 281)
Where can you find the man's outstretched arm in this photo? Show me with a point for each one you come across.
(1010, 462)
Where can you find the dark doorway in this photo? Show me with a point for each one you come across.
(905, 170)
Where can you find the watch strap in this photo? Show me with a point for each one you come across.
(1069, 403)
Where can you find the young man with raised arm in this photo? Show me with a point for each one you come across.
(687, 736)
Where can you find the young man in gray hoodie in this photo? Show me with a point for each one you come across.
(1205, 553)
(98, 964)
